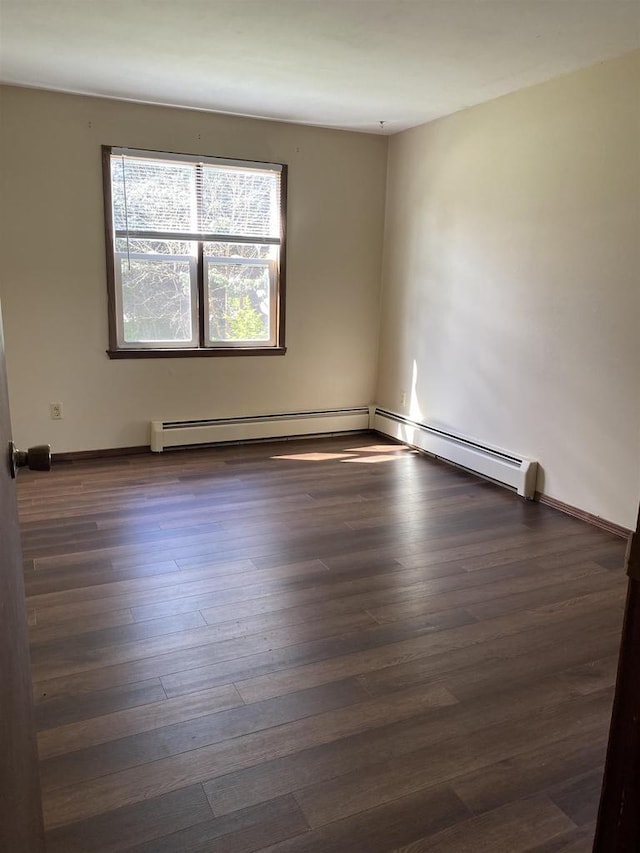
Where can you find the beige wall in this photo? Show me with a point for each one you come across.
(511, 277)
(52, 280)
(511, 303)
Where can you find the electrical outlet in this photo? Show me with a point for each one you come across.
(403, 399)
(55, 409)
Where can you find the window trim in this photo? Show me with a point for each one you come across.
(152, 350)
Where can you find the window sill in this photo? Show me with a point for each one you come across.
(195, 353)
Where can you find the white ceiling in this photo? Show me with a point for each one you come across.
(338, 63)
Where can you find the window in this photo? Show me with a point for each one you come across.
(195, 254)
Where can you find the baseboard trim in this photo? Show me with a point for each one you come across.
(596, 520)
(103, 453)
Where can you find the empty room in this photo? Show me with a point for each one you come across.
(320, 420)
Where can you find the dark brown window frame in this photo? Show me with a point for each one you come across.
(117, 352)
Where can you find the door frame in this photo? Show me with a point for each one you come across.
(618, 825)
(21, 824)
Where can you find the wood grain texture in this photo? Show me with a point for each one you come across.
(515, 827)
(81, 800)
(266, 648)
(445, 760)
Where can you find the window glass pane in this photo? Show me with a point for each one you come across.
(239, 287)
(157, 292)
(240, 201)
(153, 195)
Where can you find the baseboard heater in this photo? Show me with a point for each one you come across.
(165, 434)
(514, 471)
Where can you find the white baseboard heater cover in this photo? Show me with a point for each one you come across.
(221, 430)
(503, 467)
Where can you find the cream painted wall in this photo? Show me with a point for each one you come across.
(511, 281)
(511, 276)
(53, 290)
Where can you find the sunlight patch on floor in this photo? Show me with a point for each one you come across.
(313, 457)
(378, 448)
(366, 455)
(366, 460)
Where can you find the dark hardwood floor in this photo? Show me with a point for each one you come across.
(322, 646)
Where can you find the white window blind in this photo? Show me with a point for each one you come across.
(203, 198)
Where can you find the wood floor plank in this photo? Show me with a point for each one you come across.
(187, 670)
(595, 674)
(242, 832)
(532, 771)
(500, 662)
(48, 653)
(146, 821)
(579, 840)
(513, 828)
(56, 663)
(76, 802)
(397, 824)
(348, 794)
(53, 711)
(77, 577)
(72, 737)
(509, 548)
(76, 627)
(579, 798)
(131, 586)
(309, 675)
(293, 657)
(185, 735)
(392, 586)
(328, 645)
(327, 762)
(503, 596)
(561, 660)
(108, 597)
